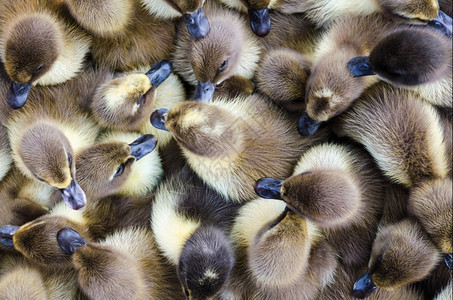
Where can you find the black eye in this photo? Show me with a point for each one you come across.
(69, 160)
(223, 65)
(38, 69)
(119, 171)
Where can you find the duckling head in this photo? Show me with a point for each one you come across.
(103, 18)
(31, 44)
(194, 16)
(203, 129)
(126, 102)
(106, 168)
(47, 155)
(401, 254)
(431, 203)
(260, 20)
(103, 272)
(329, 198)
(406, 57)
(412, 11)
(205, 263)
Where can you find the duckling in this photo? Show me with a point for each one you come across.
(126, 265)
(338, 188)
(398, 58)
(213, 59)
(408, 152)
(114, 167)
(36, 240)
(124, 102)
(191, 11)
(189, 221)
(5, 153)
(431, 203)
(279, 255)
(125, 36)
(231, 143)
(402, 253)
(446, 120)
(39, 45)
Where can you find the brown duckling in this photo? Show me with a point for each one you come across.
(279, 255)
(191, 11)
(124, 102)
(402, 253)
(431, 203)
(231, 143)
(5, 153)
(39, 45)
(417, 58)
(213, 59)
(338, 188)
(126, 265)
(125, 36)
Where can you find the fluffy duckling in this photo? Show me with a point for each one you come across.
(125, 164)
(126, 265)
(398, 58)
(36, 240)
(191, 11)
(340, 189)
(125, 36)
(431, 203)
(408, 152)
(231, 143)
(325, 11)
(39, 45)
(279, 255)
(189, 221)
(213, 59)
(125, 102)
(5, 153)
(402, 253)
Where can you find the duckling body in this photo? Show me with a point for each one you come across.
(39, 44)
(125, 35)
(231, 143)
(278, 254)
(5, 153)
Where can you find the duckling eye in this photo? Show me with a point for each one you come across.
(119, 171)
(69, 160)
(39, 69)
(223, 65)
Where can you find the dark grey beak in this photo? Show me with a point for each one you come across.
(448, 259)
(260, 21)
(69, 240)
(17, 94)
(6, 234)
(204, 91)
(268, 188)
(197, 24)
(143, 146)
(307, 126)
(73, 195)
(360, 66)
(442, 23)
(158, 118)
(159, 72)
(364, 286)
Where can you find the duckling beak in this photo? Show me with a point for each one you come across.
(448, 259)
(158, 118)
(17, 94)
(6, 234)
(197, 24)
(143, 146)
(73, 195)
(307, 126)
(159, 72)
(260, 21)
(364, 287)
(360, 66)
(269, 188)
(442, 23)
(69, 240)
(204, 91)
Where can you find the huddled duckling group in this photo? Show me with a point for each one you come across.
(226, 149)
